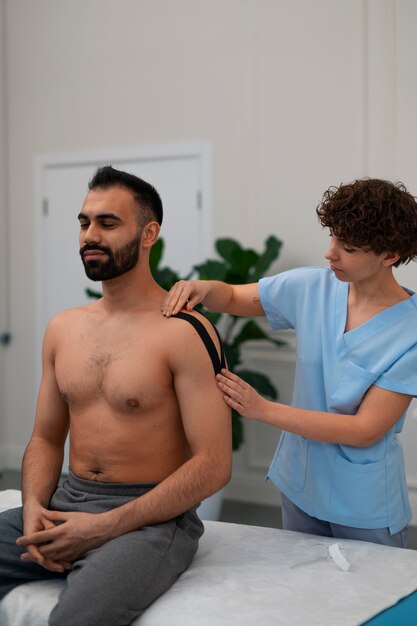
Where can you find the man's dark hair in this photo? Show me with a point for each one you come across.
(146, 196)
(372, 214)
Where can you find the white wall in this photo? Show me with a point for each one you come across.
(405, 141)
(295, 95)
(3, 231)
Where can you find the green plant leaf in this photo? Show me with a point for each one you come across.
(250, 331)
(227, 248)
(236, 278)
(239, 259)
(211, 270)
(166, 277)
(270, 254)
(213, 317)
(243, 262)
(237, 430)
(91, 293)
(260, 382)
(232, 354)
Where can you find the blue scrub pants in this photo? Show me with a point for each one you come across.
(294, 518)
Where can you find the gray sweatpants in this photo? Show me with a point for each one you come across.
(113, 584)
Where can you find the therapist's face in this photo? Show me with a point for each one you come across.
(354, 264)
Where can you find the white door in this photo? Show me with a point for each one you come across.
(180, 176)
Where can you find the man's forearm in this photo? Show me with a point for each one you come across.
(41, 469)
(188, 485)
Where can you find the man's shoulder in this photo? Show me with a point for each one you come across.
(69, 316)
(191, 333)
(187, 323)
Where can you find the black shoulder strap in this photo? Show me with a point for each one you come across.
(218, 361)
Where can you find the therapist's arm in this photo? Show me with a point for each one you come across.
(379, 411)
(242, 300)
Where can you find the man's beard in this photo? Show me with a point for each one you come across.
(117, 263)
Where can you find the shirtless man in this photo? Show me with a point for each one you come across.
(150, 435)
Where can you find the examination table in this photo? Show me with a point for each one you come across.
(252, 576)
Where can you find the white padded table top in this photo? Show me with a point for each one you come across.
(246, 575)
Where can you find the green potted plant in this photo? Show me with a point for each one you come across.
(236, 265)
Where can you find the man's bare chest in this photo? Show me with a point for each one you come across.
(127, 370)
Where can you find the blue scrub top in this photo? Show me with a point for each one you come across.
(359, 487)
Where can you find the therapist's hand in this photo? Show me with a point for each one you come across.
(241, 396)
(184, 294)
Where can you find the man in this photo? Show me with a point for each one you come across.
(149, 433)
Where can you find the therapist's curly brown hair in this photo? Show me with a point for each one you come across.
(372, 214)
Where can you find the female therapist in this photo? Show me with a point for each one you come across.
(339, 464)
